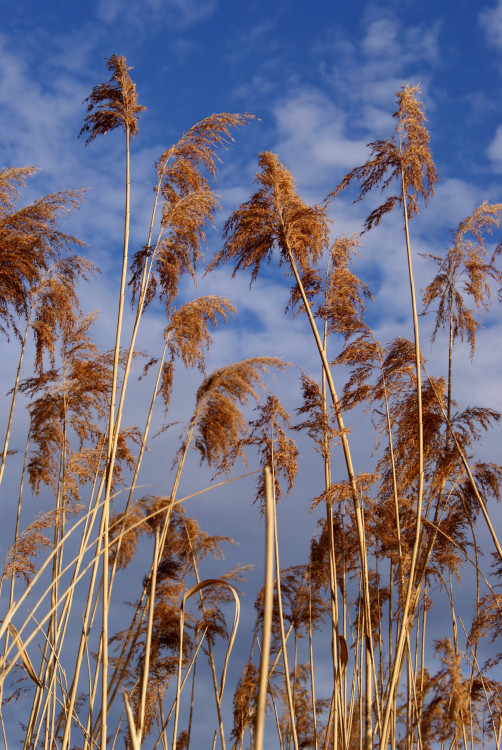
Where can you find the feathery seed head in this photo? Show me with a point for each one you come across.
(275, 216)
(405, 157)
(113, 105)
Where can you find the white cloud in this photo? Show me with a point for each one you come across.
(454, 199)
(37, 121)
(490, 19)
(108, 10)
(320, 138)
(494, 151)
(180, 13)
(394, 43)
(311, 137)
(369, 71)
(381, 39)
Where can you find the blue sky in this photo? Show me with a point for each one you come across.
(322, 78)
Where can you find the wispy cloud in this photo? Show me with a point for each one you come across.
(312, 136)
(37, 117)
(321, 136)
(494, 151)
(182, 13)
(490, 19)
(371, 67)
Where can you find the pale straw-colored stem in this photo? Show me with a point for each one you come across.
(13, 402)
(148, 640)
(186, 596)
(398, 661)
(268, 602)
(112, 446)
(311, 665)
(210, 646)
(468, 471)
(337, 676)
(358, 512)
(280, 616)
(139, 459)
(185, 678)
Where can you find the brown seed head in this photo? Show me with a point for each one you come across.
(113, 105)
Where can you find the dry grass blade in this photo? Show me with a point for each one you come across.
(25, 659)
(344, 654)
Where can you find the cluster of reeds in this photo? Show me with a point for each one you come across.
(342, 653)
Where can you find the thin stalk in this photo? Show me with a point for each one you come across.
(217, 694)
(190, 716)
(281, 619)
(393, 465)
(415, 667)
(295, 669)
(174, 704)
(350, 472)
(337, 684)
(13, 401)
(162, 733)
(87, 618)
(4, 735)
(59, 526)
(186, 596)
(148, 641)
(472, 480)
(409, 702)
(397, 667)
(13, 576)
(141, 301)
(117, 731)
(277, 722)
(111, 453)
(44, 700)
(267, 609)
(139, 460)
(279, 652)
(311, 663)
(330, 722)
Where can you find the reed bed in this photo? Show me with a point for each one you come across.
(342, 652)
